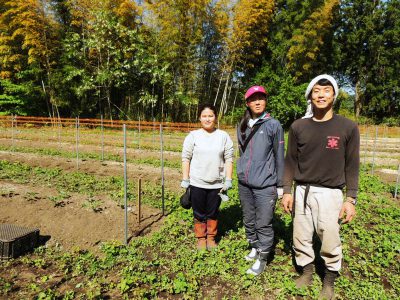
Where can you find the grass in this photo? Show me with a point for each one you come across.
(165, 264)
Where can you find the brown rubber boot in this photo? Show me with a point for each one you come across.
(328, 287)
(211, 234)
(305, 279)
(200, 231)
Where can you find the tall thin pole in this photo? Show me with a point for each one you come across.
(139, 200)
(139, 135)
(102, 139)
(397, 182)
(12, 132)
(153, 133)
(366, 144)
(77, 142)
(373, 155)
(162, 168)
(153, 126)
(125, 190)
(59, 132)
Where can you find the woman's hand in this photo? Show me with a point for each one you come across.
(185, 183)
(227, 185)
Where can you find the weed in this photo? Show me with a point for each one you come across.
(93, 204)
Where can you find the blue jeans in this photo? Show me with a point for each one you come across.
(258, 207)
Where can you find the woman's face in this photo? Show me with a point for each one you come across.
(257, 103)
(207, 119)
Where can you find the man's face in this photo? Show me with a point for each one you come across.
(257, 103)
(322, 96)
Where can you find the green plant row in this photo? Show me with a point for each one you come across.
(79, 182)
(176, 164)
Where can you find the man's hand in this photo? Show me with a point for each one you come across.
(348, 211)
(287, 203)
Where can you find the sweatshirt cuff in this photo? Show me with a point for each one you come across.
(287, 189)
(351, 193)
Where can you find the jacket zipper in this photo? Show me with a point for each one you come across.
(246, 176)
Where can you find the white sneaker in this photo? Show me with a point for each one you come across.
(257, 268)
(252, 255)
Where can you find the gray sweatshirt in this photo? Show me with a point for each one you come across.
(207, 154)
(262, 163)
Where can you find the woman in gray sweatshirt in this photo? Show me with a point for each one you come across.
(260, 172)
(207, 157)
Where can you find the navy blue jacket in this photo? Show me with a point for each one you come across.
(262, 163)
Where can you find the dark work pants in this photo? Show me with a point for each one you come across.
(205, 203)
(258, 207)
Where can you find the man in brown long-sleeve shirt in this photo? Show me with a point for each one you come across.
(322, 158)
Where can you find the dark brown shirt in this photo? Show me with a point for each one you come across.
(323, 153)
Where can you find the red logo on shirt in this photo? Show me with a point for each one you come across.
(333, 142)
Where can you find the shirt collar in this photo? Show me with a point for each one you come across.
(254, 121)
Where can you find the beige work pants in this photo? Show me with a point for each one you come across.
(321, 215)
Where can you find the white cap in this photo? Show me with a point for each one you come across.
(309, 111)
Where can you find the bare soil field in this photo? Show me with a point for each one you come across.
(71, 223)
(74, 222)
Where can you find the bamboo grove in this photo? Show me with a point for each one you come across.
(158, 59)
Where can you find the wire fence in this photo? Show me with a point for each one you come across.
(380, 145)
(13, 120)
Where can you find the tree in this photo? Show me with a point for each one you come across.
(315, 33)
(368, 39)
(33, 42)
(244, 44)
(249, 36)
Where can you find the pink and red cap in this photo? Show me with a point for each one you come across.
(255, 89)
